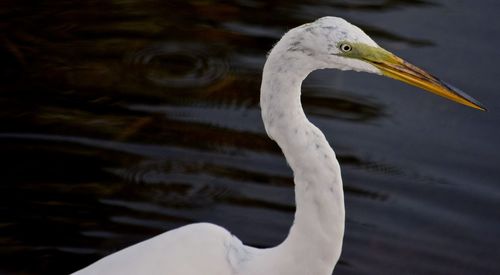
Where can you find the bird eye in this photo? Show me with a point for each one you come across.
(345, 47)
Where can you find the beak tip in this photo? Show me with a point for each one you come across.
(478, 105)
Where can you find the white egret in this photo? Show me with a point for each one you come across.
(314, 243)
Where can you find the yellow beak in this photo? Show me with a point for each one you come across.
(395, 67)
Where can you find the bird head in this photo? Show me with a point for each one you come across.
(332, 42)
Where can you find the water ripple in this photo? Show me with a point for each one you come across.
(179, 65)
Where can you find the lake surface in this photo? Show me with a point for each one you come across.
(120, 120)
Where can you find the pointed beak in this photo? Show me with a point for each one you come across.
(395, 67)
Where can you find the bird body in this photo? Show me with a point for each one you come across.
(314, 243)
(191, 249)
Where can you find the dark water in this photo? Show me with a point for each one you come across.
(124, 119)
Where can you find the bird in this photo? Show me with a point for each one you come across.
(314, 242)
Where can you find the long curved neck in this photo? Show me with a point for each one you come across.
(315, 239)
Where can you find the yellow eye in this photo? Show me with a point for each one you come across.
(345, 48)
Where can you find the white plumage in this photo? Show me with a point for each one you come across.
(314, 243)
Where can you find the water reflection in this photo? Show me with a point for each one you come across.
(179, 65)
(341, 106)
(376, 5)
(124, 119)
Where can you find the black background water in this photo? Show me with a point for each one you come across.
(120, 120)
